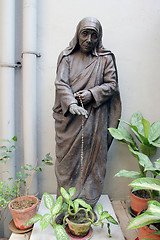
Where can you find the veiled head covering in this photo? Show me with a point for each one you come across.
(86, 23)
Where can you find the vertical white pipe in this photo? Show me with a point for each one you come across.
(7, 73)
(29, 84)
(7, 85)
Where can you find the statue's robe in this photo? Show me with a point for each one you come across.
(100, 77)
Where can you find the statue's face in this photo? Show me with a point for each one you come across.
(88, 39)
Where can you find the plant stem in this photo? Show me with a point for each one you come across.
(31, 178)
(151, 194)
(141, 168)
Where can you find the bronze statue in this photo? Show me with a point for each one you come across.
(86, 72)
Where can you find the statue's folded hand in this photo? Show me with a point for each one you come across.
(75, 109)
(85, 95)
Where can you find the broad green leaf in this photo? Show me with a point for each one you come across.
(48, 201)
(154, 131)
(143, 160)
(146, 127)
(45, 220)
(151, 215)
(121, 134)
(138, 134)
(136, 120)
(72, 191)
(58, 205)
(99, 209)
(156, 143)
(65, 194)
(154, 208)
(146, 183)
(143, 220)
(149, 150)
(112, 220)
(83, 203)
(64, 208)
(60, 233)
(116, 133)
(104, 215)
(34, 219)
(128, 174)
(75, 206)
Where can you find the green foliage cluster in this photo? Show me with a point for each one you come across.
(25, 176)
(69, 207)
(152, 214)
(7, 188)
(142, 143)
(12, 188)
(6, 150)
(7, 193)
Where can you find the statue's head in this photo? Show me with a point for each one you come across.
(89, 34)
(88, 38)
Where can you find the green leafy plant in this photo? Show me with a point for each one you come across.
(11, 188)
(142, 143)
(75, 206)
(70, 208)
(50, 218)
(6, 150)
(7, 189)
(25, 176)
(152, 214)
(7, 193)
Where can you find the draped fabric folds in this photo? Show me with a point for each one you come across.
(99, 76)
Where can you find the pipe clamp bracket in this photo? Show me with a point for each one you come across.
(10, 65)
(30, 52)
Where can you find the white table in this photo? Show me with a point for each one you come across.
(98, 232)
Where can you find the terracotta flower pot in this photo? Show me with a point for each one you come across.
(138, 204)
(21, 216)
(144, 233)
(79, 229)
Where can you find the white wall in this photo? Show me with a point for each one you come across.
(131, 31)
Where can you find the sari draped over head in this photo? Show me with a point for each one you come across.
(99, 76)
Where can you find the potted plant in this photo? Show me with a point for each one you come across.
(7, 188)
(150, 216)
(143, 143)
(77, 211)
(24, 206)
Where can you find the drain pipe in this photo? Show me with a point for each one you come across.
(29, 85)
(7, 86)
(7, 74)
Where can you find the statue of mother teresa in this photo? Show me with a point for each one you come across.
(86, 73)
